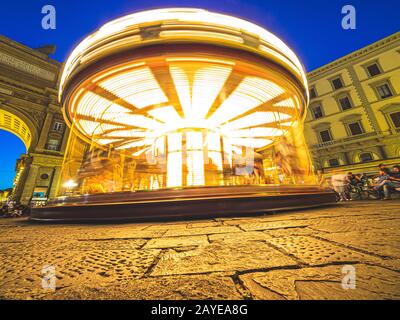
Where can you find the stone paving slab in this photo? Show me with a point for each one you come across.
(289, 255)
(384, 243)
(324, 283)
(172, 242)
(221, 256)
(201, 230)
(165, 288)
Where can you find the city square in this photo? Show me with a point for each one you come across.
(288, 255)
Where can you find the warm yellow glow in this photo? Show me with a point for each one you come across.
(250, 93)
(181, 24)
(138, 87)
(174, 170)
(70, 184)
(12, 123)
(184, 115)
(142, 115)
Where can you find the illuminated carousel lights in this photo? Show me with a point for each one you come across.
(175, 100)
(128, 32)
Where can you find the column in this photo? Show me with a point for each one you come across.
(45, 131)
(347, 158)
(383, 152)
(53, 188)
(30, 184)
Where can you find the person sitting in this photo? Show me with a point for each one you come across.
(349, 185)
(339, 182)
(357, 184)
(392, 183)
(377, 186)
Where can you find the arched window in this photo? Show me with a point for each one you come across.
(334, 162)
(366, 156)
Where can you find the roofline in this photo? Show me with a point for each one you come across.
(355, 54)
(29, 50)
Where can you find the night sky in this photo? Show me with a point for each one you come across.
(312, 28)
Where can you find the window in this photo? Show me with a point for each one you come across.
(396, 119)
(364, 157)
(58, 126)
(355, 128)
(373, 70)
(333, 162)
(53, 144)
(345, 103)
(44, 176)
(317, 112)
(337, 83)
(384, 91)
(313, 93)
(325, 135)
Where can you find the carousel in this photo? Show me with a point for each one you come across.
(183, 113)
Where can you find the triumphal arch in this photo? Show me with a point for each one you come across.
(29, 108)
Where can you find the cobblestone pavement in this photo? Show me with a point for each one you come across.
(289, 255)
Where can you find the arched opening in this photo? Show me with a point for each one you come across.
(13, 147)
(17, 138)
(14, 124)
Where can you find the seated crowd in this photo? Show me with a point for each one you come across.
(349, 186)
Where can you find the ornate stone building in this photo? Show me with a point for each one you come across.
(353, 122)
(29, 108)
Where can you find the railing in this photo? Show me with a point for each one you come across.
(344, 140)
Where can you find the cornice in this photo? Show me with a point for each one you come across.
(21, 47)
(355, 55)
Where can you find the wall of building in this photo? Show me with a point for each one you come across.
(379, 135)
(28, 99)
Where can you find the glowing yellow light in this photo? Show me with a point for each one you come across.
(70, 184)
(125, 33)
(174, 176)
(138, 87)
(198, 109)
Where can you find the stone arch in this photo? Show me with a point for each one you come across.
(16, 122)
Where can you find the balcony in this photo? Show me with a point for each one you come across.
(364, 136)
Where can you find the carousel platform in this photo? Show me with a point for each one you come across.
(188, 203)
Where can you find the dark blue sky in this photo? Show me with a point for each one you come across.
(12, 147)
(311, 27)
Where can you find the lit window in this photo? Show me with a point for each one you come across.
(364, 157)
(333, 162)
(373, 70)
(58, 126)
(355, 128)
(337, 83)
(396, 119)
(384, 91)
(53, 144)
(345, 103)
(325, 135)
(317, 112)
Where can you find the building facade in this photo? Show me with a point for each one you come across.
(353, 121)
(29, 108)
